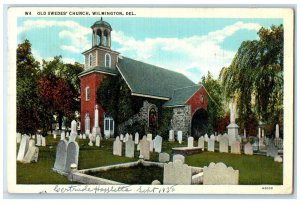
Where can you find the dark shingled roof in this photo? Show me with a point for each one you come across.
(181, 95)
(151, 80)
(101, 23)
(99, 69)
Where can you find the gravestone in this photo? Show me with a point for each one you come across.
(43, 141)
(138, 147)
(19, 137)
(212, 137)
(231, 139)
(129, 147)
(145, 148)
(96, 129)
(190, 142)
(32, 153)
(61, 156)
(67, 134)
(126, 137)
(149, 137)
(54, 134)
(278, 142)
(62, 135)
(87, 124)
(23, 147)
(248, 149)
(218, 137)
(117, 147)
(278, 159)
(211, 145)
(157, 143)
(38, 140)
(177, 173)
(97, 141)
(178, 157)
(151, 145)
(201, 142)
(136, 138)
(219, 174)
(206, 138)
(121, 137)
(235, 147)
(91, 141)
(84, 136)
(72, 155)
(80, 136)
(163, 157)
(277, 131)
(272, 150)
(179, 136)
(73, 134)
(223, 144)
(171, 136)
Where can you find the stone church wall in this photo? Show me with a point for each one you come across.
(181, 120)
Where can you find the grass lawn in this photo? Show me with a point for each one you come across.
(252, 169)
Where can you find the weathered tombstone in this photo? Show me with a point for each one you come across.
(43, 141)
(151, 145)
(62, 135)
(163, 157)
(179, 136)
(84, 136)
(255, 146)
(121, 137)
(223, 144)
(38, 140)
(211, 145)
(87, 124)
(32, 153)
(138, 147)
(248, 149)
(80, 136)
(23, 147)
(96, 129)
(277, 131)
(177, 173)
(67, 134)
(91, 141)
(145, 148)
(218, 137)
(235, 147)
(206, 138)
(231, 139)
(155, 182)
(129, 147)
(201, 142)
(157, 143)
(212, 137)
(190, 142)
(219, 174)
(117, 147)
(278, 159)
(61, 156)
(178, 157)
(73, 134)
(136, 138)
(272, 150)
(149, 137)
(171, 136)
(97, 141)
(19, 137)
(72, 155)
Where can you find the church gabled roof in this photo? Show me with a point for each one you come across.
(181, 95)
(151, 81)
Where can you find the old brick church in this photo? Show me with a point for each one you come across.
(187, 99)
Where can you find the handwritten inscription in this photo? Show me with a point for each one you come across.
(113, 189)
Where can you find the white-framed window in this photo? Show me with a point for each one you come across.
(107, 60)
(90, 60)
(87, 93)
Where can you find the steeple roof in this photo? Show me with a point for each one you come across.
(101, 23)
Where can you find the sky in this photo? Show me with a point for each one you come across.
(191, 46)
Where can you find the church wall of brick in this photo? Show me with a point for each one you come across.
(195, 101)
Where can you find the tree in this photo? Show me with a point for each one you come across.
(255, 77)
(28, 105)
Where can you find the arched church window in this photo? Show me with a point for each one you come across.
(87, 93)
(107, 60)
(90, 60)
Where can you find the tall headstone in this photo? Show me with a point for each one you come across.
(177, 173)
(23, 147)
(220, 174)
(43, 141)
(87, 125)
(163, 157)
(248, 149)
(178, 157)
(97, 141)
(145, 148)
(151, 145)
(211, 145)
(61, 156)
(38, 140)
(62, 135)
(73, 134)
(235, 147)
(121, 137)
(190, 142)
(223, 144)
(117, 147)
(72, 155)
(157, 143)
(126, 137)
(19, 137)
(136, 138)
(232, 128)
(149, 137)
(171, 136)
(84, 136)
(179, 136)
(277, 131)
(201, 142)
(96, 129)
(67, 134)
(32, 153)
(129, 147)
(206, 137)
